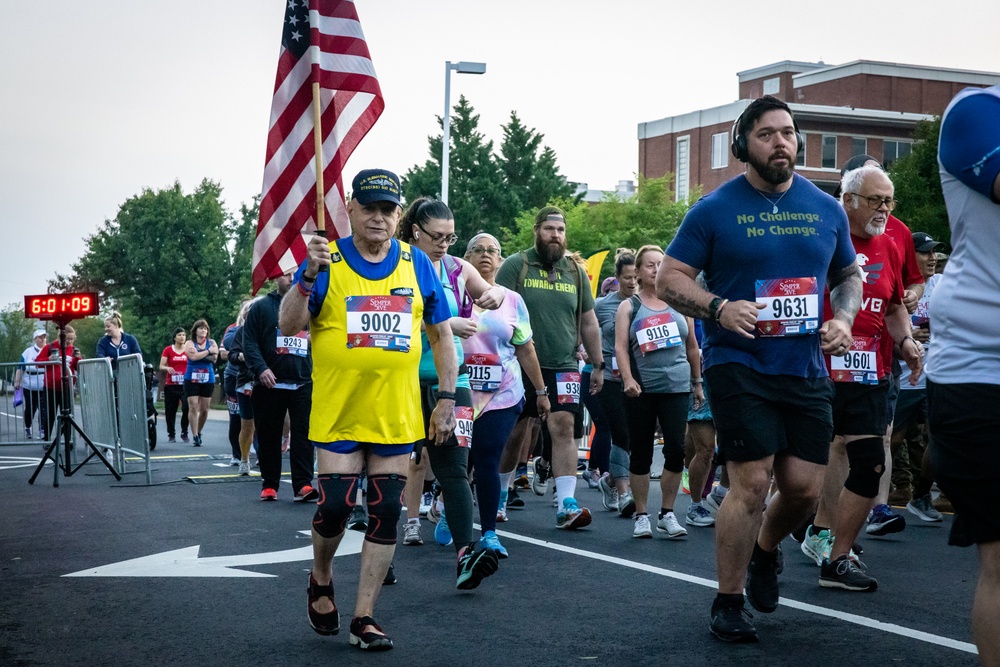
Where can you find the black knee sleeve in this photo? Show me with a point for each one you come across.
(385, 501)
(337, 494)
(867, 460)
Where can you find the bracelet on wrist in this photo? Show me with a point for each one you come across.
(304, 291)
(446, 395)
(696, 380)
(718, 311)
(308, 279)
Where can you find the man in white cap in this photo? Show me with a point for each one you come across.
(31, 380)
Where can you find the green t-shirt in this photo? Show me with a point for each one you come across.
(552, 306)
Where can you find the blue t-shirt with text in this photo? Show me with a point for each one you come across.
(733, 235)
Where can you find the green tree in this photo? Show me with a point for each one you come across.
(15, 333)
(917, 184)
(650, 216)
(533, 178)
(167, 259)
(487, 190)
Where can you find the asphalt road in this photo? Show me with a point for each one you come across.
(221, 580)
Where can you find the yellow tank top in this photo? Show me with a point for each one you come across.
(366, 352)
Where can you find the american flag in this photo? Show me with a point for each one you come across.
(321, 41)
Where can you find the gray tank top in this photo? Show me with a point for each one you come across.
(657, 348)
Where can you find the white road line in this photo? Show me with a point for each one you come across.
(863, 621)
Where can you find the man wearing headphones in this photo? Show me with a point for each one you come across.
(770, 243)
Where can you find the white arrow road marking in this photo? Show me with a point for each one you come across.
(186, 563)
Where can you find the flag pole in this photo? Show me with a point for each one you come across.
(318, 148)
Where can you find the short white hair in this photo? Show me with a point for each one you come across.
(851, 181)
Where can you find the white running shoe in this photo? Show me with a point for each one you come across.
(642, 528)
(411, 535)
(669, 525)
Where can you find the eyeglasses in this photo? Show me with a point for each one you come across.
(875, 203)
(438, 239)
(479, 250)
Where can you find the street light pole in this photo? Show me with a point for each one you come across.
(461, 67)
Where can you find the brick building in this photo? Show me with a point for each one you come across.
(862, 107)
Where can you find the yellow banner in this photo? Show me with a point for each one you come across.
(594, 263)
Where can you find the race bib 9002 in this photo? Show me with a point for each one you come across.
(379, 321)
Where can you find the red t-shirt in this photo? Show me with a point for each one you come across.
(903, 238)
(178, 361)
(881, 269)
(53, 374)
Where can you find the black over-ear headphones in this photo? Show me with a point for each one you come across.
(739, 146)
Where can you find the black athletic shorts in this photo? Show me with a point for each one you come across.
(758, 415)
(568, 381)
(200, 389)
(859, 409)
(965, 447)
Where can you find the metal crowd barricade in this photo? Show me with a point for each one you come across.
(12, 424)
(97, 404)
(133, 432)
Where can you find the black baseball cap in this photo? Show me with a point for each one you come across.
(372, 185)
(923, 242)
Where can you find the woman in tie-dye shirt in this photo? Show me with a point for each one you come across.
(494, 356)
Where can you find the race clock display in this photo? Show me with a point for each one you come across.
(69, 306)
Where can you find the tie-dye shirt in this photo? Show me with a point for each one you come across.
(494, 372)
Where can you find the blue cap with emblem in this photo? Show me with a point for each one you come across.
(372, 185)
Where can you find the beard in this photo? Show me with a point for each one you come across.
(770, 173)
(550, 253)
(875, 229)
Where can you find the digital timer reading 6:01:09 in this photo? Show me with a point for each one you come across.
(69, 306)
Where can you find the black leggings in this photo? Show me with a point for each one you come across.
(451, 468)
(643, 413)
(173, 394)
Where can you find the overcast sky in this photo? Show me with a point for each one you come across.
(99, 99)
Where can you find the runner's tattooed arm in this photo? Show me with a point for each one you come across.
(675, 284)
(845, 292)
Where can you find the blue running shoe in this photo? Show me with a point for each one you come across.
(442, 533)
(491, 541)
(572, 516)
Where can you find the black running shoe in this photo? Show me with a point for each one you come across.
(762, 580)
(476, 562)
(514, 500)
(732, 624)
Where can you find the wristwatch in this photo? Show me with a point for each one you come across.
(544, 391)
(713, 306)
(602, 366)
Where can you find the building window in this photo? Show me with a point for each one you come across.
(772, 86)
(800, 157)
(893, 151)
(829, 152)
(859, 146)
(683, 167)
(720, 151)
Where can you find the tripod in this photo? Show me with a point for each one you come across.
(65, 423)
